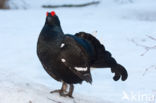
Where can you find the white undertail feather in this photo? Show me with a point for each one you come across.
(63, 60)
(80, 68)
(62, 45)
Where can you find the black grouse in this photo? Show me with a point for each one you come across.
(68, 58)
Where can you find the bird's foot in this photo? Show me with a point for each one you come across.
(56, 91)
(62, 93)
(65, 95)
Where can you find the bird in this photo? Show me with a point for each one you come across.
(68, 58)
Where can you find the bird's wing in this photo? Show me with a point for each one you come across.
(75, 56)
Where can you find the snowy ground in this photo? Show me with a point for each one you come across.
(23, 80)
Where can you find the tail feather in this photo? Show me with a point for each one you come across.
(119, 71)
(103, 58)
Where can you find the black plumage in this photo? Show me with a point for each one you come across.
(68, 58)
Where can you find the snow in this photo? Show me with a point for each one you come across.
(23, 79)
(27, 4)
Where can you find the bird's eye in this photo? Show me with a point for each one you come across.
(52, 13)
(47, 13)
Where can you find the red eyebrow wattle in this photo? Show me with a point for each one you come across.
(47, 13)
(52, 13)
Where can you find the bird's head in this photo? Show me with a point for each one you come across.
(52, 19)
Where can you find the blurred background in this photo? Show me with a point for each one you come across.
(127, 28)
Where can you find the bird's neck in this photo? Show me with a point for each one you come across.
(51, 35)
(52, 31)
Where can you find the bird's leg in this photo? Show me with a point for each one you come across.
(71, 88)
(62, 90)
